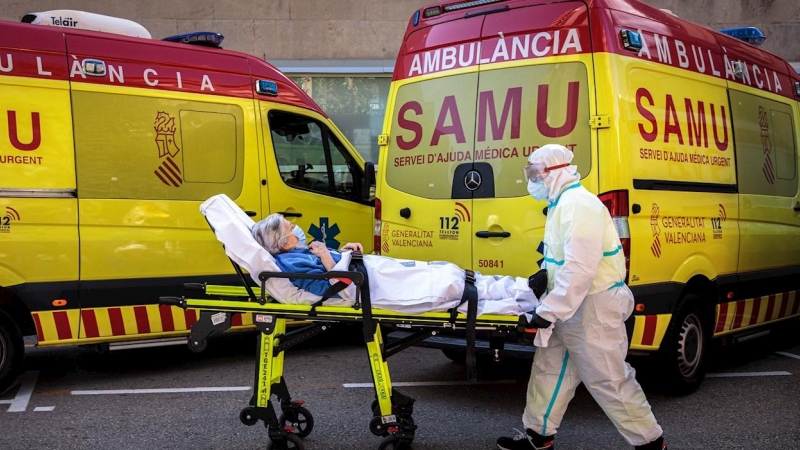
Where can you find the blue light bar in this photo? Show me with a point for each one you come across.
(204, 38)
(631, 40)
(751, 35)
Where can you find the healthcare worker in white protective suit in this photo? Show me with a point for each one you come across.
(581, 336)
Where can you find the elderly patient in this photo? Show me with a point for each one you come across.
(407, 286)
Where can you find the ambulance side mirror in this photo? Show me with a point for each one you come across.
(368, 183)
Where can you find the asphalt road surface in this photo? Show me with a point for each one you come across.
(74, 398)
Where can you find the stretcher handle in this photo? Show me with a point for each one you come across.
(173, 301)
(198, 287)
(355, 277)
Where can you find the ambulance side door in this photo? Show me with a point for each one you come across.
(313, 177)
(38, 208)
(766, 136)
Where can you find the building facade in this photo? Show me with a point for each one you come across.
(342, 51)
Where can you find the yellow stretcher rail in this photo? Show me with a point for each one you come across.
(391, 410)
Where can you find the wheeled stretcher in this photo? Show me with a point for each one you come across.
(391, 410)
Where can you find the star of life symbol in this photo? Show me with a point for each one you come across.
(168, 171)
(325, 233)
(473, 180)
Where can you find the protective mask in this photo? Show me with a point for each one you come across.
(538, 190)
(301, 237)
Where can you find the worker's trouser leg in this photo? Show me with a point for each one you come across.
(554, 378)
(598, 352)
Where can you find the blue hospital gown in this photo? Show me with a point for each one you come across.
(301, 260)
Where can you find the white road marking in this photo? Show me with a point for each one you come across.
(430, 383)
(20, 402)
(5, 402)
(44, 408)
(748, 374)
(162, 391)
(790, 355)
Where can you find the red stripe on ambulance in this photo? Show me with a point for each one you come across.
(167, 323)
(89, 320)
(191, 317)
(723, 317)
(62, 325)
(770, 308)
(39, 332)
(739, 315)
(142, 323)
(649, 334)
(236, 320)
(756, 311)
(117, 324)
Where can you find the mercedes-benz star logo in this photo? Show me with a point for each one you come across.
(473, 180)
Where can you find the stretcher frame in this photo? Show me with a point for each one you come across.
(392, 411)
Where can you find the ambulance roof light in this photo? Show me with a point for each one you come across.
(204, 38)
(751, 35)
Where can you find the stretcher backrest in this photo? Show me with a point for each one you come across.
(232, 227)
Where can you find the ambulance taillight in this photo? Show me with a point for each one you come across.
(617, 204)
(376, 236)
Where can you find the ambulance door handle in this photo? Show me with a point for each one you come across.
(291, 214)
(491, 234)
(797, 207)
(251, 213)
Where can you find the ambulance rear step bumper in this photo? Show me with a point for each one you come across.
(146, 343)
(460, 344)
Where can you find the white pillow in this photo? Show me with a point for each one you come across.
(232, 227)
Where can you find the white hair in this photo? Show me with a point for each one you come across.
(268, 233)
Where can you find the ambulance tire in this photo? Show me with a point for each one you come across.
(12, 350)
(682, 358)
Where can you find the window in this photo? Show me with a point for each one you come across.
(310, 157)
(355, 104)
(132, 147)
(765, 145)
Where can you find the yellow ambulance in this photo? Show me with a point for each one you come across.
(108, 145)
(688, 135)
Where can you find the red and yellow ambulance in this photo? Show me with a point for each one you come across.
(688, 135)
(108, 145)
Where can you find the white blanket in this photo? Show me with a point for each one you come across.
(405, 286)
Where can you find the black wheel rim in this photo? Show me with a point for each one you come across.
(690, 345)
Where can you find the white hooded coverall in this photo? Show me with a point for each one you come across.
(587, 302)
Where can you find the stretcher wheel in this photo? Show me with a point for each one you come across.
(376, 426)
(197, 346)
(248, 417)
(393, 443)
(291, 442)
(300, 418)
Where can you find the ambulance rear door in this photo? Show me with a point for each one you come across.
(427, 209)
(533, 89)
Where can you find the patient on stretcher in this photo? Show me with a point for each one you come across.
(411, 287)
(400, 285)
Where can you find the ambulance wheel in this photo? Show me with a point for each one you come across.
(248, 417)
(197, 346)
(683, 352)
(11, 351)
(300, 419)
(393, 443)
